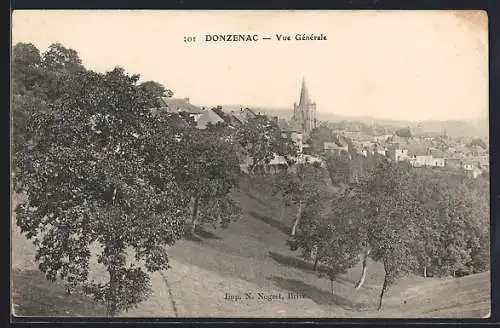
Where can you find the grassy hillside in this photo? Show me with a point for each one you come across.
(251, 257)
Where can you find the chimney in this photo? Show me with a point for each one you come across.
(187, 100)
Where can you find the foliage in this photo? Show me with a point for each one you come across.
(261, 139)
(208, 171)
(101, 168)
(478, 142)
(319, 136)
(156, 89)
(404, 133)
(91, 176)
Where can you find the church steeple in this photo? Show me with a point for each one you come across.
(304, 114)
(304, 95)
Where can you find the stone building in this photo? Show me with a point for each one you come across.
(304, 114)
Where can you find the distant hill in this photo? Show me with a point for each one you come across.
(280, 112)
(454, 128)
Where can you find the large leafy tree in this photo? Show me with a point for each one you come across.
(59, 64)
(296, 185)
(391, 210)
(26, 70)
(208, 170)
(27, 93)
(156, 89)
(340, 249)
(261, 138)
(453, 234)
(96, 173)
(319, 136)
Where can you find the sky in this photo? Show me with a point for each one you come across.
(404, 65)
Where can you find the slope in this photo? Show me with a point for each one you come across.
(251, 256)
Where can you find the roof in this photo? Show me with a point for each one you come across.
(243, 114)
(283, 125)
(277, 160)
(398, 140)
(417, 150)
(208, 116)
(436, 153)
(309, 159)
(173, 105)
(332, 146)
(304, 95)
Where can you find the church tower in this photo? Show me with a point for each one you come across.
(304, 114)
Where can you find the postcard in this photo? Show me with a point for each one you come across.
(250, 164)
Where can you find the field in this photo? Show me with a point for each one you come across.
(251, 257)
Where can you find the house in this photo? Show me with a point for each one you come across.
(399, 153)
(421, 160)
(397, 140)
(382, 138)
(311, 160)
(484, 162)
(206, 117)
(179, 105)
(379, 149)
(474, 172)
(437, 162)
(275, 165)
(336, 148)
(290, 131)
(419, 155)
(243, 115)
(468, 165)
(438, 158)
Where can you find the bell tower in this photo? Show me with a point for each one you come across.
(304, 114)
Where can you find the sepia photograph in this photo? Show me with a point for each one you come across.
(250, 164)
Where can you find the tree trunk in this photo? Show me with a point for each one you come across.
(316, 264)
(299, 214)
(282, 212)
(113, 291)
(363, 272)
(384, 287)
(331, 285)
(425, 271)
(194, 214)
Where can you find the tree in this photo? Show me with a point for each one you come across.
(95, 173)
(319, 136)
(26, 71)
(404, 133)
(59, 64)
(340, 251)
(27, 94)
(58, 57)
(296, 185)
(326, 235)
(452, 234)
(208, 171)
(261, 139)
(391, 211)
(312, 198)
(478, 142)
(338, 168)
(156, 89)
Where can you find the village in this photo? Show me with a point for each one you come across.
(465, 155)
(180, 207)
